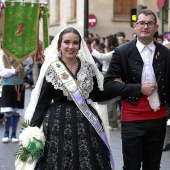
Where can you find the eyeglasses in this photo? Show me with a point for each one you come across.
(142, 24)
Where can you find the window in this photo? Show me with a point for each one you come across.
(122, 7)
(54, 10)
(72, 14)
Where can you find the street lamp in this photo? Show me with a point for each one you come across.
(86, 14)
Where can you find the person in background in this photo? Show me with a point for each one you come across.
(121, 40)
(88, 43)
(72, 142)
(1, 114)
(38, 61)
(111, 42)
(166, 38)
(90, 36)
(101, 46)
(95, 43)
(134, 35)
(51, 37)
(160, 38)
(155, 36)
(121, 34)
(166, 145)
(37, 58)
(139, 73)
(13, 94)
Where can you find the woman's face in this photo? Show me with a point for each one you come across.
(69, 45)
(101, 41)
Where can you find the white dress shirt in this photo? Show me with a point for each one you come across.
(147, 53)
(148, 75)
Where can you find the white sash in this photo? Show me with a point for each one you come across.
(73, 88)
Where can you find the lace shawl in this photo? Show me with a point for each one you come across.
(84, 77)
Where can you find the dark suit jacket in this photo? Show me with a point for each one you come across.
(127, 63)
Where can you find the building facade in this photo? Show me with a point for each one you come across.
(112, 15)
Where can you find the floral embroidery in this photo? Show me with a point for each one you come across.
(65, 76)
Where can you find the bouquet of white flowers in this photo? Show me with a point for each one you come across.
(168, 122)
(32, 141)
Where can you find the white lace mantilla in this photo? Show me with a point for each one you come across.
(84, 76)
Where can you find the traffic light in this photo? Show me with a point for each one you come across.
(133, 16)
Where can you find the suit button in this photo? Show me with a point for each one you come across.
(130, 100)
(162, 79)
(158, 64)
(163, 86)
(165, 101)
(136, 98)
(129, 97)
(136, 62)
(134, 70)
(133, 78)
(164, 94)
(160, 72)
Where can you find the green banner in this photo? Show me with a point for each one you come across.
(20, 30)
(45, 17)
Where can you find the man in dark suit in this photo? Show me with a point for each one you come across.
(139, 73)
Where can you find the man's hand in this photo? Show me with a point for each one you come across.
(148, 88)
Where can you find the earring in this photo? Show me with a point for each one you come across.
(59, 53)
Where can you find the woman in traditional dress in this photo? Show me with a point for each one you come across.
(75, 137)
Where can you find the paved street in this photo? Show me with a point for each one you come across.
(7, 151)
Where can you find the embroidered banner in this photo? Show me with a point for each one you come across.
(20, 29)
(45, 16)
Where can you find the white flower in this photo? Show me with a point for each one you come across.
(28, 133)
(168, 122)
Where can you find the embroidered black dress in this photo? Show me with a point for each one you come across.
(72, 143)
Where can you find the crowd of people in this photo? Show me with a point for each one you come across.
(129, 77)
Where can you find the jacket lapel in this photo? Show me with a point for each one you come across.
(132, 51)
(136, 55)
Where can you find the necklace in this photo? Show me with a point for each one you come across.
(70, 66)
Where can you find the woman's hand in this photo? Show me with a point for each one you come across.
(118, 80)
(18, 68)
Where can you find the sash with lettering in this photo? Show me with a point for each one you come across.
(73, 88)
(20, 29)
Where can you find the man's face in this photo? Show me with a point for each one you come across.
(145, 28)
